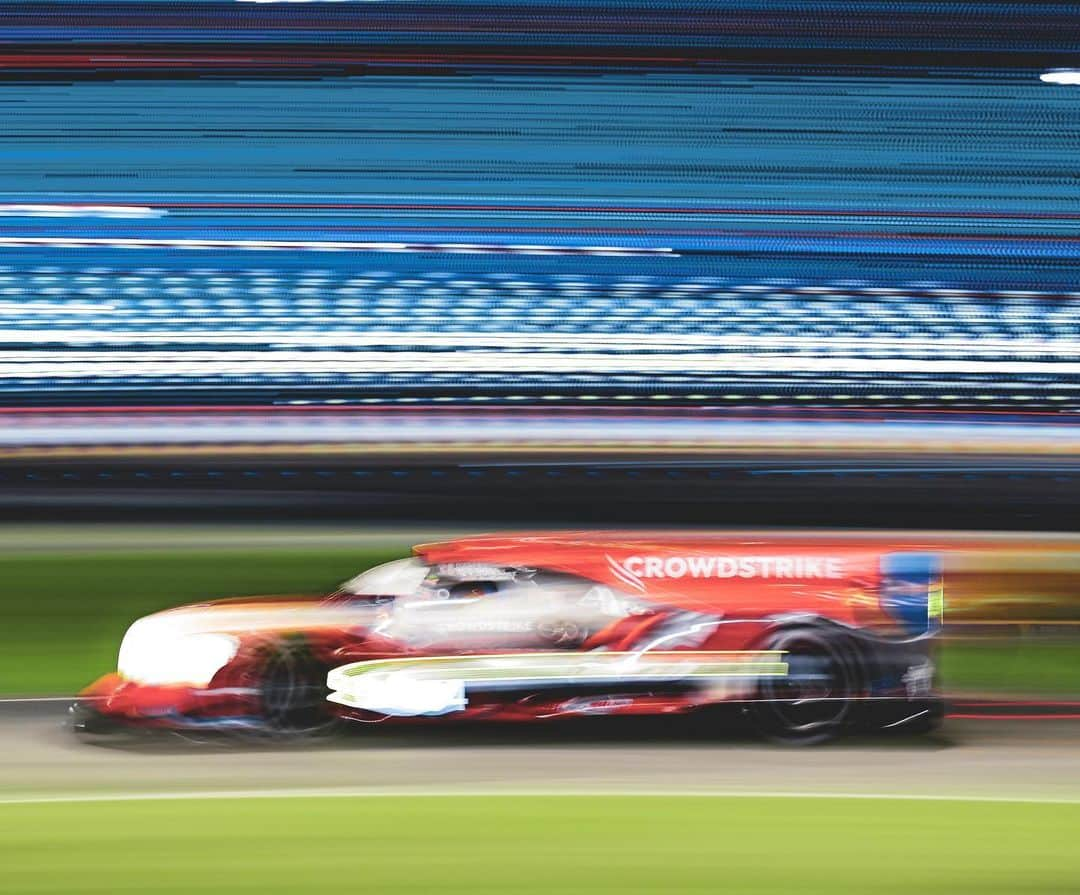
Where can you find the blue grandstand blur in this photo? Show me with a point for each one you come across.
(150, 335)
(720, 211)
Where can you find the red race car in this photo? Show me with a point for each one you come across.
(807, 638)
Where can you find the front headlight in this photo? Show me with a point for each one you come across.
(151, 653)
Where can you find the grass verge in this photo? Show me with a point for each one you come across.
(526, 844)
(1033, 667)
(64, 614)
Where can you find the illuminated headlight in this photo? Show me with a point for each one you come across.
(154, 654)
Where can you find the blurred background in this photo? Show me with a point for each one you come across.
(287, 287)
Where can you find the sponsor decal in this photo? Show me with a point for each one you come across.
(474, 571)
(635, 570)
(919, 679)
(595, 705)
(935, 602)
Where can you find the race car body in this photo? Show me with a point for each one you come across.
(808, 638)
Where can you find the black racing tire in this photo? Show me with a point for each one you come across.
(815, 702)
(293, 691)
(85, 720)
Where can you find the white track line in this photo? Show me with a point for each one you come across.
(17, 699)
(519, 793)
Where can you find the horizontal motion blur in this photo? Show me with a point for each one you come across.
(809, 638)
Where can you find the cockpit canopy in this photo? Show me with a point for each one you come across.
(393, 579)
(413, 577)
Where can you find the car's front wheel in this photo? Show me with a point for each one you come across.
(292, 687)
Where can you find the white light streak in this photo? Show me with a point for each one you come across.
(1068, 76)
(200, 364)
(80, 242)
(81, 211)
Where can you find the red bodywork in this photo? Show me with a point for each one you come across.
(751, 586)
(848, 596)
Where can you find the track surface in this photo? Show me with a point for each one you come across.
(39, 757)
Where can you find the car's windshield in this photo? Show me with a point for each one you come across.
(418, 582)
(414, 578)
(399, 578)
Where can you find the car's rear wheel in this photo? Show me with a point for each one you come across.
(814, 701)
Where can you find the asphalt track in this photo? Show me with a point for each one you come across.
(40, 759)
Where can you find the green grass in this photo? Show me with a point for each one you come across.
(1034, 667)
(64, 614)
(484, 845)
